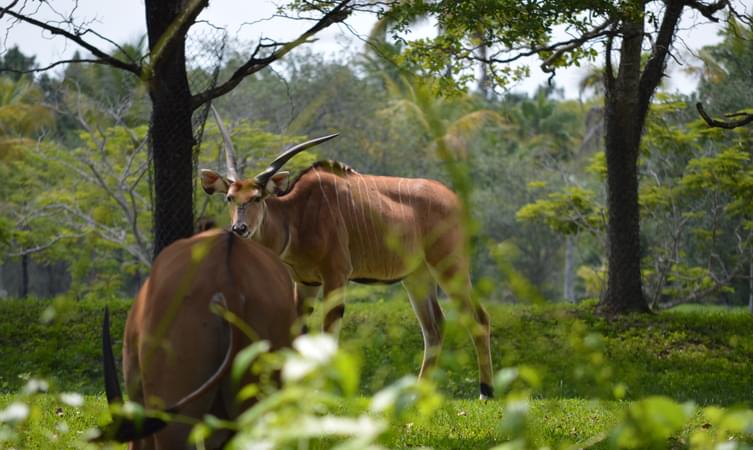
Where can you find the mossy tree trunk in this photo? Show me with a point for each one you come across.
(627, 99)
(171, 129)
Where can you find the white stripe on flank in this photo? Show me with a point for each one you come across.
(342, 218)
(352, 214)
(365, 234)
(402, 209)
(384, 232)
(337, 199)
(329, 205)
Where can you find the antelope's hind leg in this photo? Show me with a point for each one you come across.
(451, 268)
(458, 287)
(422, 292)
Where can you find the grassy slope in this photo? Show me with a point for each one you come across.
(704, 355)
(66, 351)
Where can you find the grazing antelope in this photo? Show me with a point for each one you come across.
(333, 225)
(176, 352)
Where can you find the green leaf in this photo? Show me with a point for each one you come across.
(245, 358)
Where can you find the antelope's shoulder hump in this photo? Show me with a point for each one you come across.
(336, 168)
(332, 166)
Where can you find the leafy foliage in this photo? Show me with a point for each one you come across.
(568, 377)
(565, 212)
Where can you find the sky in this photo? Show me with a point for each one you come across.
(123, 21)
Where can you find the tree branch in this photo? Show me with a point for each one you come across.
(254, 64)
(654, 70)
(126, 172)
(708, 10)
(122, 192)
(114, 235)
(55, 64)
(728, 125)
(43, 247)
(3, 10)
(102, 56)
(566, 46)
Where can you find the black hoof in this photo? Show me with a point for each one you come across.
(487, 392)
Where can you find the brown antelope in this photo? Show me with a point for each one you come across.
(334, 224)
(176, 352)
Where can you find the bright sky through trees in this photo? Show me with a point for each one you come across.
(124, 22)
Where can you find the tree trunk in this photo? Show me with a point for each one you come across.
(623, 133)
(3, 289)
(484, 83)
(568, 287)
(50, 272)
(750, 283)
(24, 288)
(171, 130)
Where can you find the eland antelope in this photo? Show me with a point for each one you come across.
(333, 225)
(176, 353)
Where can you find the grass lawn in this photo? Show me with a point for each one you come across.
(457, 424)
(53, 424)
(703, 355)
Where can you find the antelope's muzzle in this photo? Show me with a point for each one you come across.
(241, 229)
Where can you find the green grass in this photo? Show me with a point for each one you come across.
(703, 355)
(471, 424)
(457, 424)
(54, 424)
(56, 340)
(699, 354)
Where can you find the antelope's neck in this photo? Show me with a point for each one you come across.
(274, 232)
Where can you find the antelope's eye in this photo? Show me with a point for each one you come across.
(256, 199)
(228, 198)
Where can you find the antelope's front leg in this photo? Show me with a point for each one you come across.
(306, 296)
(334, 304)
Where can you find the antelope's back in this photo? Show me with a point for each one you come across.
(390, 222)
(252, 279)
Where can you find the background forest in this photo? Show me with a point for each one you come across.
(597, 336)
(76, 203)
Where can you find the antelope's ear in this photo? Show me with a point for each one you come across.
(276, 184)
(212, 182)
